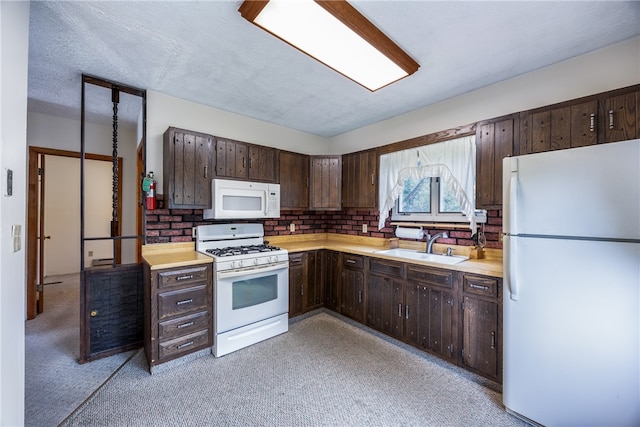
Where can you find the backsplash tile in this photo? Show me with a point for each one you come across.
(175, 225)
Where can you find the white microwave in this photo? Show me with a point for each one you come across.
(243, 200)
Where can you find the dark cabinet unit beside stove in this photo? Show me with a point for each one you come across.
(178, 312)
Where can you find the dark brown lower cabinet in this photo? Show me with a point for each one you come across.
(332, 281)
(297, 273)
(306, 281)
(385, 305)
(482, 325)
(429, 314)
(352, 287)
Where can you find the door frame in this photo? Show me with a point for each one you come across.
(32, 216)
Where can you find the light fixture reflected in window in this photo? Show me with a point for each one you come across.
(336, 34)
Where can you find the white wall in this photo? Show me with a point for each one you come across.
(599, 71)
(164, 111)
(14, 46)
(64, 134)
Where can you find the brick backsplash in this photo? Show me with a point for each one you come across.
(174, 225)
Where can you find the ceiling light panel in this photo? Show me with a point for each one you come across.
(311, 28)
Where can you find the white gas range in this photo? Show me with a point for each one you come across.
(251, 285)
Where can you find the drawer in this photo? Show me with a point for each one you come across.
(184, 276)
(182, 301)
(430, 276)
(185, 344)
(486, 286)
(352, 261)
(183, 325)
(296, 259)
(388, 268)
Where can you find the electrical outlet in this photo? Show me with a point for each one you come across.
(90, 253)
(292, 227)
(364, 228)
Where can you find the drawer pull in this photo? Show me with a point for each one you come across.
(185, 277)
(185, 301)
(484, 288)
(187, 344)
(185, 325)
(592, 123)
(351, 261)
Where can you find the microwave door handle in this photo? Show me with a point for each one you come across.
(245, 272)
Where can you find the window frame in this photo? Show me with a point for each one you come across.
(436, 215)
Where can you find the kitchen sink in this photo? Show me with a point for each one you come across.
(422, 256)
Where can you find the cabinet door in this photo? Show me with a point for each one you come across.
(314, 296)
(231, 159)
(296, 284)
(620, 118)
(262, 163)
(333, 281)
(584, 128)
(294, 180)
(326, 183)
(385, 305)
(351, 303)
(188, 166)
(494, 142)
(429, 314)
(359, 180)
(480, 335)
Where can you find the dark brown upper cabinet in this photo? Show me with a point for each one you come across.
(360, 179)
(326, 183)
(231, 159)
(262, 163)
(621, 117)
(188, 168)
(294, 180)
(495, 140)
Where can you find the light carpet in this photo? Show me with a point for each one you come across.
(323, 372)
(55, 383)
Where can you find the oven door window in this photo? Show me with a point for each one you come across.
(247, 293)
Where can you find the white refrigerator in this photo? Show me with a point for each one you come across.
(571, 224)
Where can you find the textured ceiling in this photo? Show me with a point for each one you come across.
(207, 53)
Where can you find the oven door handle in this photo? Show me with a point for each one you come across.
(246, 272)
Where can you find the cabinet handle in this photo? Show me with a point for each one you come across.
(484, 288)
(359, 296)
(399, 310)
(187, 344)
(302, 289)
(206, 171)
(186, 277)
(351, 261)
(610, 119)
(592, 122)
(295, 260)
(336, 182)
(406, 311)
(184, 301)
(185, 325)
(493, 340)
(244, 162)
(373, 179)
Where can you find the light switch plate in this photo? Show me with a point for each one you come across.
(364, 228)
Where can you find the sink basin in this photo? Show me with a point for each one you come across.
(421, 256)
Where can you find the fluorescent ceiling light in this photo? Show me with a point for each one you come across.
(336, 34)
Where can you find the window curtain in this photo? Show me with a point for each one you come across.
(453, 161)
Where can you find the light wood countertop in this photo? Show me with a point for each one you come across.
(490, 265)
(173, 255)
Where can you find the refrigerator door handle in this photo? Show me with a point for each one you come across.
(513, 198)
(511, 280)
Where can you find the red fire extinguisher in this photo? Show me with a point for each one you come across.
(151, 192)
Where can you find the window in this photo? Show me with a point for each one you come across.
(427, 199)
(432, 183)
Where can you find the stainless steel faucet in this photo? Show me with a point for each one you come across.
(431, 239)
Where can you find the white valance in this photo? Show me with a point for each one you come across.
(453, 161)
